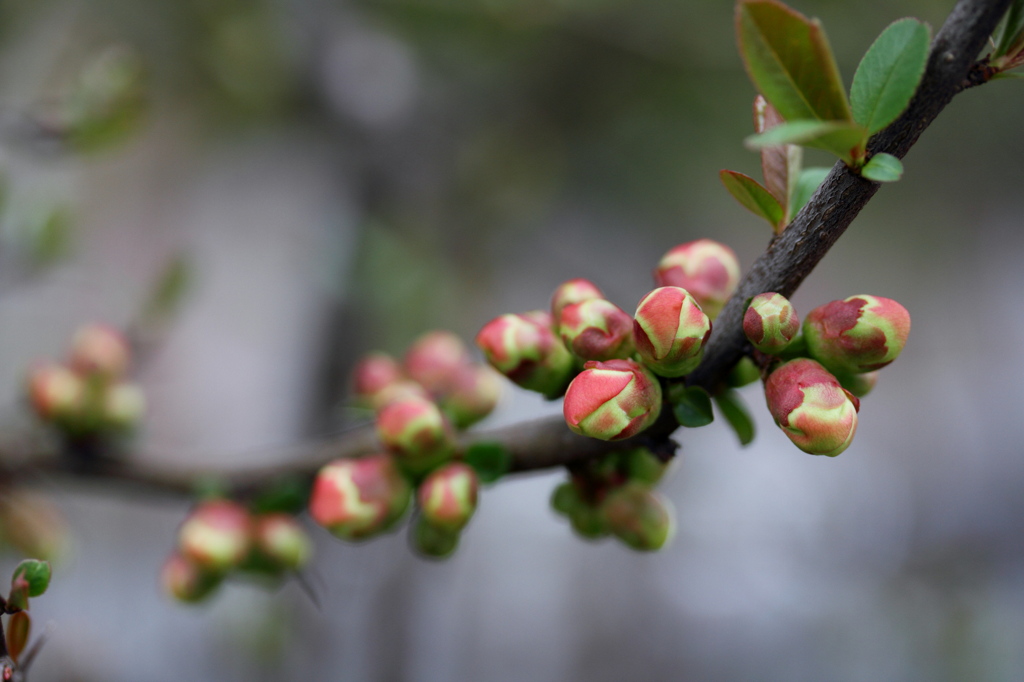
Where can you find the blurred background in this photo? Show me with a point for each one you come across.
(342, 176)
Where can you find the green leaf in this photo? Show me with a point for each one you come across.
(288, 494)
(1013, 29)
(35, 573)
(735, 412)
(845, 140)
(790, 61)
(691, 405)
(889, 73)
(1008, 74)
(490, 460)
(810, 180)
(883, 168)
(754, 197)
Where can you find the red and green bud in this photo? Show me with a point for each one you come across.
(185, 581)
(124, 405)
(216, 535)
(373, 373)
(859, 334)
(574, 291)
(100, 350)
(641, 518)
(597, 329)
(705, 268)
(56, 393)
(612, 400)
(447, 497)
(282, 540)
(399, 390)
(473, 395)
(670, 330)
(811, 407)
(859, 384)
(434, 359)
(433, 542)
(770, 322)
(525, 349)
(358, 498)
(416, 432)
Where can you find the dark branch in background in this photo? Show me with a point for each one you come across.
(788, 260)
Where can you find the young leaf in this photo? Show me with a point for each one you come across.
(844, 139)
(754, 197)
(19, 627)
(491, 461)
(790, 61)
(735, 412)
(35, 573)
(889, 73)
(1013, 29)
(809, 181)
(780, 164)
(882, 168)
(692, 406)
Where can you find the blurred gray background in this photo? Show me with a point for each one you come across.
(347, 175)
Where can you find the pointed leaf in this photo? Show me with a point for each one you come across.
(790, 61)
(19, 627)
(845, 140)
(1014, 75)
(780, 164)
(735, 412)
(691, 405)
(883, 168)
(889, 73)
(810, 180)
(1013, 29)
(754, 197)
(491, 461)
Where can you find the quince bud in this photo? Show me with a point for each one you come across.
(282, 540)
(526, 350)
(670, 330)
(770, 322)
(574, 291)
(472, 395)
(811, 407)
(612, 400)
(101, 350)
(705, 268)
(856, 335)
(185, 581)
(641, 518)
(416, 432)
(56, 393)
(358, 498)
(373, 373)
(596, 329)
(434, 359)
(399, 390)
(123, 406)
(216, 535)
(447, 497)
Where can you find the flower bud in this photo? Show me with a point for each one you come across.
(811, 407)
(434, 359)
(705, 268)
(358, 498)
(447, 497)
(281, 539)
(770, 322)
(574, 291)
(858, 384)
(416, 432)
(526, 350)
(185, 581)
(372, 374)
(99, 349)
(216, 535)
(670, 330)
(641, 518)
(612, 400)
(399, 390)
(588, 522)
(124, 405)
(433, 542)
(597, 329)
(859, 334)
(56, 393)
(472, 395)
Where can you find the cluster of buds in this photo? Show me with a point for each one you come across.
(88, 394)
(220, 536)
(814, 395)
(615, 496)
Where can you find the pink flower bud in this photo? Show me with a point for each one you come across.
(574, 291)
(810, 406)
(399, 390)
(416, 432)
(670, 330)
(612, 400)
(99, 349)
(124, 405)
(641, 518)
(770, 322)
(358, 498)
(185, 581)
(215, 536)
(856, 335)
(372, 374)
(473, 395)
(447, 497)
(434, 359)
(526, 350)
(597, 329)
(705, 268)
(282, 540)
(56, 393)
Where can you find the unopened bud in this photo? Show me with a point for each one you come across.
(597, 329)
(612, 400)
(56, 393)
(811, 407)
(670, 330)
(216, 535)
(433, 542)
(770, 322)
(358, 498)
(447, 497)
(859, 334)
(525, 349)
(574, 291)
(399, 390)
(99, 349)
(374, 373)
(281, 539)
(859, 384)
(416, 432)
(124, 405)
(641, 518)
(434, 359)
(473, 395)
(705, 268)
(185, 581)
